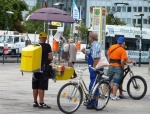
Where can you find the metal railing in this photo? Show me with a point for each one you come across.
(5, 56)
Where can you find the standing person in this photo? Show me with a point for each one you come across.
(117, 57)
(40, 82)
(71, 48)
(93, 58)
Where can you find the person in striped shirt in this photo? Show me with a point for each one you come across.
(93, 58)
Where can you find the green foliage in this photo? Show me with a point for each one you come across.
(14, 20)
(82, 31)
(110, 20)
(32, 26)
(67, 33)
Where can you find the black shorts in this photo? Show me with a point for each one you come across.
(39, 81)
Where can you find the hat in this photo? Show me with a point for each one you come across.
(70, 40)
(121, 40)
(42, 35)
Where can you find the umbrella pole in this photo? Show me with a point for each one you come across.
(48, 32)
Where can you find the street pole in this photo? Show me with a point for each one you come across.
(6, 16)
(140, 45)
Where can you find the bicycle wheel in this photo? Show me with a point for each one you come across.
(69, 98)
(137, 87)
(101, 95)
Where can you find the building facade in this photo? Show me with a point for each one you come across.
(125, 10)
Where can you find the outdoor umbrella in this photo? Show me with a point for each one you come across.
(51, 14)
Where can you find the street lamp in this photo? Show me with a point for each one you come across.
(6, 14)
(140, 45)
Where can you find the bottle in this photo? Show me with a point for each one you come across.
(59, 70)
(62, 69)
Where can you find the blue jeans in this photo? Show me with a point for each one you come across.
(117, 72)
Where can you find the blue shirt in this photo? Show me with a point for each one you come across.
(95, 49)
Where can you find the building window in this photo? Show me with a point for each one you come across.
(123, 19)
(139, 9)
(108, 9)
(129, 9)
(134, 9)
(148, 20)
(118, 9)
(139, 21)
(134, 21)
(144, 21)
(128, 20)
(123, 9)
(145, 9)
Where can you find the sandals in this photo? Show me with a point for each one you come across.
(44, 106)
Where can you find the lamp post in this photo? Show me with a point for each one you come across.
(6, 14)
(140, 45)
(60, 4)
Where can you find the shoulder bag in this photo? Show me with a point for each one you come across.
(65, 55)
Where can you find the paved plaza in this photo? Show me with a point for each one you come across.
(16, 94)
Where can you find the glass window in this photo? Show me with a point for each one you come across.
(145, 21)
(108, 9)
(113, 8)
(149, 20)
(130, 43)
(145, 44)
(128, 20)
(134, 21)
(16, 39)
(22, 39)
(9, 39)
(134, 9)
(145, 9)
(129, 9)
(123, 9)
(123, 19)
(139, 21)
(139, 9)
(118, 9)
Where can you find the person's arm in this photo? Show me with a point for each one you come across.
(50, 57)
(95, 62)
(84, 51)
(131, 61)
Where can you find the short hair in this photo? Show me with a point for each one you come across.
(93, 35)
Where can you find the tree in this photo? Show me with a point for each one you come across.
(14, 20)
(32, 26)
(82, 31)
(111, 20)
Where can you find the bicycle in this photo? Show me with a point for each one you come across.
(136, 85)
(70, 95)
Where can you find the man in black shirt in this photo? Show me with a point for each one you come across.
(40, 82)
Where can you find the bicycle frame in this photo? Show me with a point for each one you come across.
(88, 94)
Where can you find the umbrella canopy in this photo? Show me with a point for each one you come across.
(51, 14)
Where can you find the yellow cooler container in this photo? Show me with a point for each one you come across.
(31, 58)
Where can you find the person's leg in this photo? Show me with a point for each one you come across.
(92, 79)
(35, 83)
(74, 74)
(117, 80)
(42, 87)
(35, 95)
(41, 95)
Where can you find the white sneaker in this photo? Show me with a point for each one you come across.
(115, 98)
